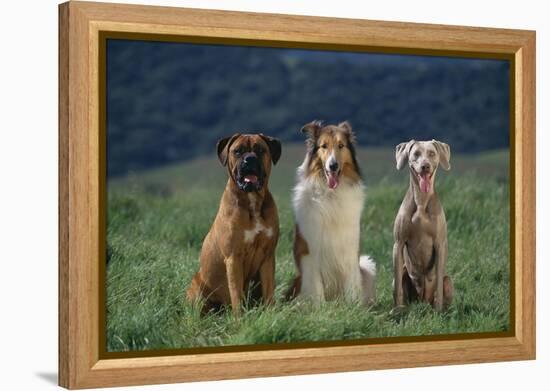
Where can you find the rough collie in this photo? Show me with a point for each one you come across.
(328, 200)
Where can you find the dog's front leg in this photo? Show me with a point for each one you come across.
(267, 276)
(398, 265)
(312, 281)
(352, 286)
(440, 260)
(234, 271)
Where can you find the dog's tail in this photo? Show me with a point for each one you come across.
(368, 278)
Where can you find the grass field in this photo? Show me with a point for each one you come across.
(158, 219)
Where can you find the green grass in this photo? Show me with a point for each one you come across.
(158, 219)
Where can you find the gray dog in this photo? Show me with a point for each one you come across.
(420, 229)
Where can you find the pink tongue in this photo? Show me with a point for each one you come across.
(332, 181)
(425, 183)
(251, 179)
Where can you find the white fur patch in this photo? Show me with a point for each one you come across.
(250, 234)
(329, 222)
(330, 160)
(368, 278)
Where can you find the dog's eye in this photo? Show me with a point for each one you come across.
(431, 153)
(324, 146)
(340, 146)
(237, 152)
(417, 154)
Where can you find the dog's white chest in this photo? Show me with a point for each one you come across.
(250, 234)
(329, 223)
(258, 223)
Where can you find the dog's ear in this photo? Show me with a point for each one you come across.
(402, 153)
(312, 129)
(274, 147)
(223, 147)
(348, 131)
(444, 154)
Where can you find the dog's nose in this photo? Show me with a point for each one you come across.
(250, 158)
(425, 166)
(333, 166)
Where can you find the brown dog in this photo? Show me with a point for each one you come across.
(420, 229)
(239, 250)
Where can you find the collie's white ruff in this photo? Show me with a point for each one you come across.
(329, 221)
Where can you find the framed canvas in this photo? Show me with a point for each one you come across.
(154, 103)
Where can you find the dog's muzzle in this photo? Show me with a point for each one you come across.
(250, 175)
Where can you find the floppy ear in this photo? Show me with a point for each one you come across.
(223, 147)
(402, 153)
(349, 132)
(274, 147)
(444, 154)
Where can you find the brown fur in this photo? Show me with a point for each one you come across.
(300, 249)
(322, 141)
(230, 264)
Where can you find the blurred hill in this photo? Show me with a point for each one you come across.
(169, 102)
(377, 167)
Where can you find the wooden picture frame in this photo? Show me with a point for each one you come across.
(82, 176)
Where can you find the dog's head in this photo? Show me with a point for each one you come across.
(424, 157)
(331, 153)
(248, 158)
